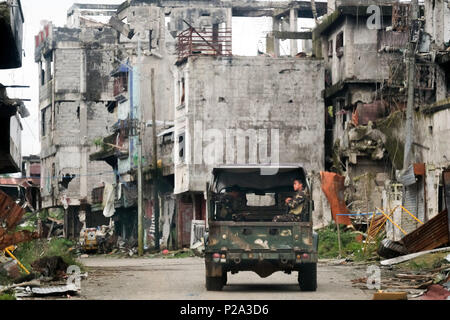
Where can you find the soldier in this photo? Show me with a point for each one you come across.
(295, 205)
(232, 201)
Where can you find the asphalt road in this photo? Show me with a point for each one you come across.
(184, 279)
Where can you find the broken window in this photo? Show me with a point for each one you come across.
(181, 147)
(43, 121)
(42, 74)
(120, 83)
(183, 92)
(330, 48)
(340, 44)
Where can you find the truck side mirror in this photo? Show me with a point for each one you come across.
(312, 205)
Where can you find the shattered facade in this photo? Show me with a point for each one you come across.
(75, 88)
(150, 38)
(366, 100)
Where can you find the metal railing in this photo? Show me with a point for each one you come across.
(210, 41)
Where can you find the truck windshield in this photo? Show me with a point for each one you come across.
(254, 200)
(246, 195)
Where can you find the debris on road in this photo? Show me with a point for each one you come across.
(433, 234)
(381, 295)
(52, 267)
(436, 292)
(411, 256)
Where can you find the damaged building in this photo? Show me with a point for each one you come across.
(366, 98)
(15, 194)
(157, 36)
(75, 88)
(12, 110)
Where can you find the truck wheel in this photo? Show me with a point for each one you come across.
(307, 277)
(224, 279)
(214, 283)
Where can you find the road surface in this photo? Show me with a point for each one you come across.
(184, 279)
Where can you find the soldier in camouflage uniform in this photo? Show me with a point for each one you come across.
(295, 205)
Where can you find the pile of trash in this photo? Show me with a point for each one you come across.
(50, 276)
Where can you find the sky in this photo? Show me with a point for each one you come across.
(248, 35)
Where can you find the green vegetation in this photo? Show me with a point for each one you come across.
(329, 247)
(99, 142)
(31, 251)
(7, 296)
(4, 280)
(179, 254)
(426, 262)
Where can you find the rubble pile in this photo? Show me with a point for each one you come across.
(49, 276)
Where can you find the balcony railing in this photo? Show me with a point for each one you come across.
(210, 41)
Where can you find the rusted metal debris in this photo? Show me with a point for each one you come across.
(333, 187)
(215, 42)
(430, 235)
(10, 215)
(400, 17)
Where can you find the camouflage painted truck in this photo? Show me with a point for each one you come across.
(241, 204)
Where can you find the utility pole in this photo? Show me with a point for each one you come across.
(411, 64)
(155, 162)
(140, 177)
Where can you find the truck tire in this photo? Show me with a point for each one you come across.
(307, 277)
(214, 283)
(224, 279)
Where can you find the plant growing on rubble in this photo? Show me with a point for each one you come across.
(31, 251)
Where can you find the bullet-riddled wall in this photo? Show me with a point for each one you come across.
(247, 110)
(75, 86)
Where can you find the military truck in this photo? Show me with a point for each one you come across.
(241, 236)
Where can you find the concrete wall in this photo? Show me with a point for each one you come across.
(74, 94)
(159, 55)
(361, 59)
(250, 94)
(241, 110)
(437, 21)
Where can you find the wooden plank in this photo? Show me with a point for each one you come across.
(390, 296)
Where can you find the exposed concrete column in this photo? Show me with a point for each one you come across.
(276, 42)
(83, 127)
(230, 18)
(293, 28)
(331, 6)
